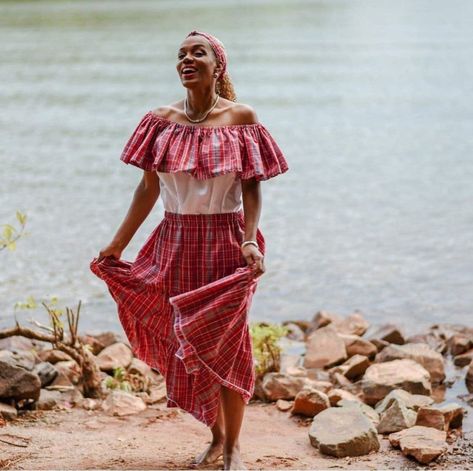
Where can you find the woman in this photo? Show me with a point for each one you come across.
(184, 301)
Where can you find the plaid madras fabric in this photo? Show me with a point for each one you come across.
(183, 304)
(204, 151)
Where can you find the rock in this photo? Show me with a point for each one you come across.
(296, 371)
(459, 343)
(16, 343)
(114, 356)
(283, 405)
(289, 362)
(342, 382)
(21, 358)
(294, 331)
(106, 338)
(463, 359)
(156, 393)
(431, 360)
(432, 340)
(122, 403)
(53, 356)
(60, 381)
(324, 318)
(469, 378)
(396, 417)
(336, 395)
(46, 372)
(310, 402)
(356, 345)
(323, 386)
(48, 400)
(90, 404)
(381, 378)
(379, 344)
(353, 368)
(318, 374)
(354, 324)
(411, 401)
(281, 386)
(368, 411)
(18, 383)
(425, 444)
(388, 333)
(324, 348)
(8, 412)
(343, 431)
(441, 417)
(95, 346)
(70, 369)
(138, 366)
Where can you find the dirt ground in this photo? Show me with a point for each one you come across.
(168, 438)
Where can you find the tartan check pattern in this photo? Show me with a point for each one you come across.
(204, 151)
(183, 304)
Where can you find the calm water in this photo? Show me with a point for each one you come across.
(371, 102)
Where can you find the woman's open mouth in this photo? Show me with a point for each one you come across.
(188, 72)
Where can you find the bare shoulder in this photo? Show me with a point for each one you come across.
(243, 114)
(167, 111)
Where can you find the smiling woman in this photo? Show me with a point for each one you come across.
(184, 301)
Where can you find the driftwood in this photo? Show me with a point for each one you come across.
(72, 345)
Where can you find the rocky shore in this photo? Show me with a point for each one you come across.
(357, 390)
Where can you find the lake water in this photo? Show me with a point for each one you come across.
(370, 101)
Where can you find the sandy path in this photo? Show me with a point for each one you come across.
(160, 438)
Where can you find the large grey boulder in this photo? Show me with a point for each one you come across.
(343, 431)
(381, 378)
(18, 383)
(431, 360)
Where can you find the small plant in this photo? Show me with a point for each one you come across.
(10, 234)
(125, 381)
(118, 380)
(267, 352)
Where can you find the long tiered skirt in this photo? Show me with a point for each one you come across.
(183, 304)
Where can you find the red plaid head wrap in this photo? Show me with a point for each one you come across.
(218, 48)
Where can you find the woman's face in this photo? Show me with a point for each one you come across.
(196, 62)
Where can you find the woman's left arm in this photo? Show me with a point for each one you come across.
(252, 200)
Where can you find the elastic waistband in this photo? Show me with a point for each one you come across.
(213, 219)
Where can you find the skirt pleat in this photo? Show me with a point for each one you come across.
(183, 305)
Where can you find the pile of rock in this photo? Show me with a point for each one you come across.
(34, 376)
(356, 384)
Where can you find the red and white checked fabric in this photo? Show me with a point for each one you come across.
(183, 304)
(204, 151)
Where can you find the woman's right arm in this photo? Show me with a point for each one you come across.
(144, 198)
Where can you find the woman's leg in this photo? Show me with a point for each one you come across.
(215, 449)
(233, 410)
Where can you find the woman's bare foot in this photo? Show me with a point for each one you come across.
(232, 458)
(210, 455)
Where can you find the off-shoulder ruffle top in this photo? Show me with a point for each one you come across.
(159, 144)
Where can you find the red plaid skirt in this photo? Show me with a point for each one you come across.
(183, 304)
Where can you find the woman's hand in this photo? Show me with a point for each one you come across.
(113, 249)
(254, 258)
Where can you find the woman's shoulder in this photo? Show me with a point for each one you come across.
(229, 112)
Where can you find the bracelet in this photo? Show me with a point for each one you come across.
(248, 242)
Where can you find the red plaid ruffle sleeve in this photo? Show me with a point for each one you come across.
(204, 151)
